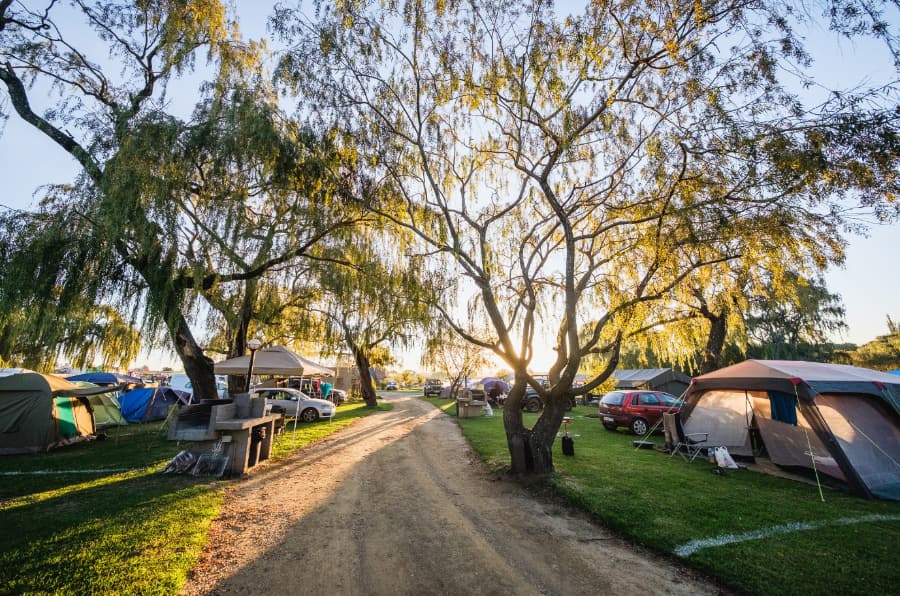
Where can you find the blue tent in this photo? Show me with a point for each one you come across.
(146, 404)
(105, 378)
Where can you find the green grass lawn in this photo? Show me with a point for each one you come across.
(664, 503)
(305, 434)
(447, 405)
(113, 524)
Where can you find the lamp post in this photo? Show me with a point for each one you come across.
(253, 344)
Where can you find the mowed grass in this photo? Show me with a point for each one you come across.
(663, 503)
(97, 530)
(447, 405)
(300, 434)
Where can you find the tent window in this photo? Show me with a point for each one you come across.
(784, 407)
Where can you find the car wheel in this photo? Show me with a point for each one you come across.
(639, 426)
(533, 404)
(610, 427)
(309, 415)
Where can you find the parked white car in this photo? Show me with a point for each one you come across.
(296, 402)
(182, 382)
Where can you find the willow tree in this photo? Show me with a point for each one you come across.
(94, 115)
(572, 167)
(377, 299)
(84, 335)
(783, 326)
(173, 214)
(261, 198)
(37, 327)
(715, 306)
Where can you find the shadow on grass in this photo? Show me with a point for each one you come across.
(136, 532)
(143, 532)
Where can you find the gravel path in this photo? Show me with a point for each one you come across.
(398, 503)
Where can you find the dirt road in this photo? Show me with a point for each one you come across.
(399, 504)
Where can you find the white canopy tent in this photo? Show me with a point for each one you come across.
(274, 360)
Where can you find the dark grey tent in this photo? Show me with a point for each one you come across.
(842, 421)
(656, 379)
(39, 412)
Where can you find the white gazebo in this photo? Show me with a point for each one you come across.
(275, 360)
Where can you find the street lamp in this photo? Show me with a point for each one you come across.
(253, 344)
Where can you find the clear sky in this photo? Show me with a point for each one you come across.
(869, 283)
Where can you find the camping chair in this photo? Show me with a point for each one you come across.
(689, 445)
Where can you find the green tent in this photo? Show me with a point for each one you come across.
(39, 412)
(105, 406)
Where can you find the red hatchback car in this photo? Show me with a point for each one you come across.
(638, 410)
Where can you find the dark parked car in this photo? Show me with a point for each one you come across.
(533, 402)
(433, 387)
(337, 396)
(638, 410)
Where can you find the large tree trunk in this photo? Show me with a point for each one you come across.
(197, 366)
(531, 451)
(715, 341)
(152, 265)
(237, 344)
(365, 377)
(518, 438)
(543, 434)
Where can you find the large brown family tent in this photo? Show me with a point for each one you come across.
(39, 412)
(838, 420)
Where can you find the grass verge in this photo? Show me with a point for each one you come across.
(446, 404)
(296, 436)
(664, 503)
(103, 520)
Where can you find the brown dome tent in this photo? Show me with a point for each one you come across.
(838, 420)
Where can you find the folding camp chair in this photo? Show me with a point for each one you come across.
(689, 445)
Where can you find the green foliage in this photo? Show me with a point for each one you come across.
(103, 240)
(409, 378)
(173, 217)
(372, 295)
(802, 313)
(51, 296)
(454, 358)
(882, 353)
